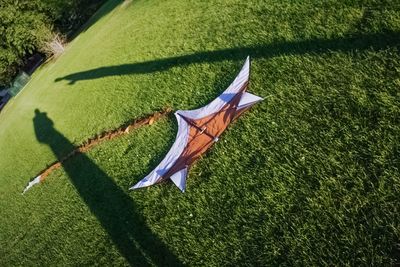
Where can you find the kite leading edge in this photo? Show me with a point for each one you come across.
(199, 129)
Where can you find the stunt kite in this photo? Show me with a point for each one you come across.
(198, 130)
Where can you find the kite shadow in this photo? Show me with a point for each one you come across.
(376, 41)
(113, 208)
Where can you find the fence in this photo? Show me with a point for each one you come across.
(20, 81)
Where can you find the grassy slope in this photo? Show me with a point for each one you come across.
(310, 176)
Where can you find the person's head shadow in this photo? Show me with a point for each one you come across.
(115, 210)
(42, 125)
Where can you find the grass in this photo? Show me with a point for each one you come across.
(308, 177)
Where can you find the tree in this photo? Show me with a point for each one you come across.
(27, 26)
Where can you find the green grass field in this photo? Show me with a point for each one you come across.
(308, 177)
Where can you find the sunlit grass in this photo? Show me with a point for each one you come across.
(308, 177)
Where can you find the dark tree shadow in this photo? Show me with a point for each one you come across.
(115, 210)
(105, 8)
(358, 42)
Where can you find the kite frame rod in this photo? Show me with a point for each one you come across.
(201, 130)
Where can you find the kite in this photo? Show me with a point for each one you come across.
(199, 129)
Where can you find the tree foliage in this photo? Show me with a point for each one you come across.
(26, 25)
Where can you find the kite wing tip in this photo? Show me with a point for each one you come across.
(142, 183)
(136, 186)
(179, 179)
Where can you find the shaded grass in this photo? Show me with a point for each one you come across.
(308, 177)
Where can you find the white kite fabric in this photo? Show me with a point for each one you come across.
(32, 183)
(170, 158)
(185, 116)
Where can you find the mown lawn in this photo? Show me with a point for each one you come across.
(308, 177)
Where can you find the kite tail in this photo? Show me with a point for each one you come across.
(32, 183)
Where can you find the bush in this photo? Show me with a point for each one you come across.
(28, 26)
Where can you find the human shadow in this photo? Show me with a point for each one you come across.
(356, 42)
(113, 208)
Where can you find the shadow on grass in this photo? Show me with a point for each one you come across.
(115, 210)
(360, 42)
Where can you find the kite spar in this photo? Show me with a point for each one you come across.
(198, 130)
